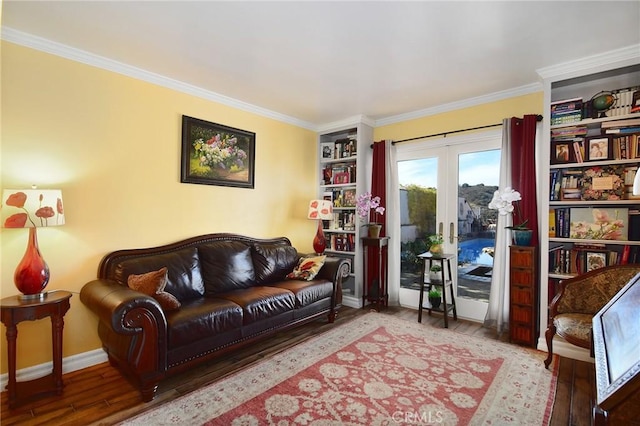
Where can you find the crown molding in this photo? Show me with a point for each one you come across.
(64, 51)
(347, 122)
(624, 56)
(465, 103)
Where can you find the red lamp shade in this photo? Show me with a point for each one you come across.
(320, 210)
(32, 208)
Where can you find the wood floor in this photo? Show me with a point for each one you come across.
(99, 395)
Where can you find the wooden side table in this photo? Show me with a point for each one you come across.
(13, 311)
(447, 305)
(375, 288)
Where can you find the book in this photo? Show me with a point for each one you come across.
(629, 122)
(618, 130)
(552, 223)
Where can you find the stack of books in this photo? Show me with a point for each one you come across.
(566, 111)
(624, 101)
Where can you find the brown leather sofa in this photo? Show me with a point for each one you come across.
(232, 291)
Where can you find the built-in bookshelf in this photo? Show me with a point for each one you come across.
(345, 157)
(592, 141)
(590, 155)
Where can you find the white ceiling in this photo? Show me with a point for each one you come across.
(322, 62)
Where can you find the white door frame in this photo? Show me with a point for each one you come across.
(448, 149)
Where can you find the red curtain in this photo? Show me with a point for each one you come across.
(378, 188)
(523, 171)
(378, 181)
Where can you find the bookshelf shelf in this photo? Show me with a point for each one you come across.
(588, 241)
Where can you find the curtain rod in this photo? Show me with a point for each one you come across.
(538, 118)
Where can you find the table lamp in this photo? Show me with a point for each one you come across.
(32, 208)
(320, 210)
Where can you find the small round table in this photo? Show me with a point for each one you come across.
(15, 310)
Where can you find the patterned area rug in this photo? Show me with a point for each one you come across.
(377, 370)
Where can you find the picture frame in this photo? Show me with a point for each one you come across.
(215, 154)
(349, 198)
(603, 183)
(598, 148)
(561, 153)
(326, 150)
(593, 223)
(594, 260)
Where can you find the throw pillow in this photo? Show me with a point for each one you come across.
(152, 284)
(307, 268)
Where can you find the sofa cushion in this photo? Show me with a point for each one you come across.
(307, 268)
(153, 284)
(272, 262)
(307, 292)
(260, 302)
(202, 318)
(184, 279)
(226, 266)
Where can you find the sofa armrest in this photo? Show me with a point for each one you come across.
(123, 311)
(335, 269)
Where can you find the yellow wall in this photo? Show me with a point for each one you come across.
(480, 115)
(112, 144)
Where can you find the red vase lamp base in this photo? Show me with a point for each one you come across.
(319, 242)
(32, 273)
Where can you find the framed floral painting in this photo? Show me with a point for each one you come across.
(214, 154)
(599, 223)
(604, 183)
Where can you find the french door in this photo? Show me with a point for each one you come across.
(445, 187)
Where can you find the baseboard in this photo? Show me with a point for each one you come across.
(563, 348)
(69, 364)
(352, 302)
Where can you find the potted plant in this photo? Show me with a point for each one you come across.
(365, 204)
(435, 298)
(435, 242)
(503, 202)
(435, 273)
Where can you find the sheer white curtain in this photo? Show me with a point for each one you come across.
(393, 222)
(498, 310)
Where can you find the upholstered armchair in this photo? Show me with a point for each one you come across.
(579, 299)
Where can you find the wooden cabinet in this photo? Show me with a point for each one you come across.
(523, 307)
(344, 166)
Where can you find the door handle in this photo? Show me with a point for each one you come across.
(451, 233)
(441, 228)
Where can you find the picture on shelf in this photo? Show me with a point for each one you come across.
(598, 148)
(599, 224)
(562, 153)
(327, 150)
(603, 183)
(349, 199)
(595, 260)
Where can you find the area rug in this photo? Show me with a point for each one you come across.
(377, 370)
